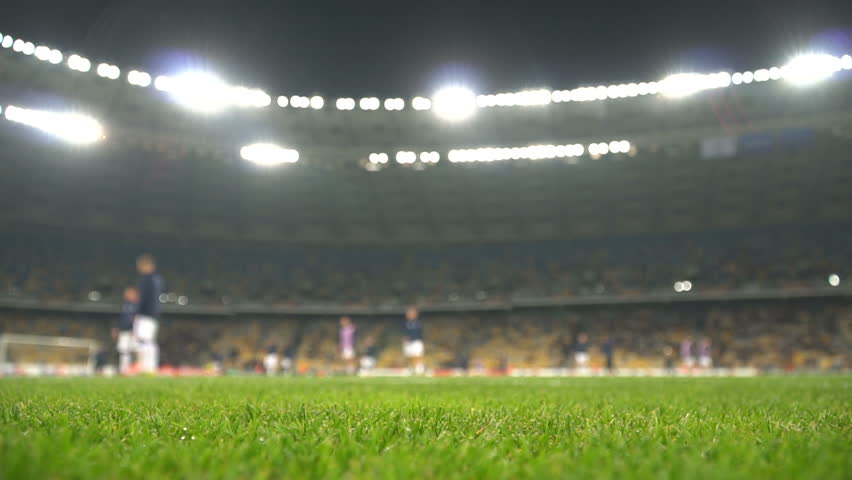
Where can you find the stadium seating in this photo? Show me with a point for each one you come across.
(805, 334)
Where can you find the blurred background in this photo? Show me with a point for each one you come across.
(700, 194)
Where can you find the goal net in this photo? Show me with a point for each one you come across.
(34, 355)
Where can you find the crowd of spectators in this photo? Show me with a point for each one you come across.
(812, 334)
(96, 267)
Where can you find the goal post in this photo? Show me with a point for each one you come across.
(81, 352)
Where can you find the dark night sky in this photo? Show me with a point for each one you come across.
(405, 48)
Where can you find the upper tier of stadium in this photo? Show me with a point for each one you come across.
(589, 121)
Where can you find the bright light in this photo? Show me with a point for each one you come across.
(430, 157)
(247, 97)
(369, 103)
(834, 279)
(687, 285)
(496, 154)
(18, 46)
(678, 287)
(42, 53)
(197, 91)
(78, 63)
(809, 69)
(684, 84)
(774, 73)
(55, 57)
(106, 70)
(7, 42)
(345, 103)
(317, 102)
(378, 158)
(845, 61)
(522, 98)
(283, 101)
(140, 79)
(268, 154)
(404, 158)
(206, 93)
(421, 103)
(454, 103)
(71, 127)
(299, 101)
(28, 49)
(392, 104)
(737, 78)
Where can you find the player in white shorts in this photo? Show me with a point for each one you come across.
(270, 361)
(123, 333)
(146, 323)
(412, 341)
(581, 352)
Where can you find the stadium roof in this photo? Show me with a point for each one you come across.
(387, 49)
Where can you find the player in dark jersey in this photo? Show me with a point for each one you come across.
(412, 341)
(123, 332)
(147, 319)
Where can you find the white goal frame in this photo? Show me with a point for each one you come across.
(7, 339)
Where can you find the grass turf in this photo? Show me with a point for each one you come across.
(795, 427)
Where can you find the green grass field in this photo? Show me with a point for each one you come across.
(798, 427)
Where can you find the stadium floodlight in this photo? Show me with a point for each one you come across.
(392, 104)
(29, 48)
(140, 79)
(430, 157)
(247, 97)
(106, 70)
(811, 68)
(206, 93)
(317, 102)
(283, 101)
(496, 154)
(300, 101)
(774, 73)
(55, 57)
(678, 287)
(369, 103)
(345, 103)
(42, 53)
(18, 46)
(78, 63)
(834, 279)
(404, 157)
(737, 78)
(454, 103)
(846, 62)
(71, 127)
(7, 42)
(748, 77)
(761, 75)
(268, 154)
(684, 84)
(378, 158)
(421, 103)
(196, 90)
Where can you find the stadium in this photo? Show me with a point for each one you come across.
(205, 277)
